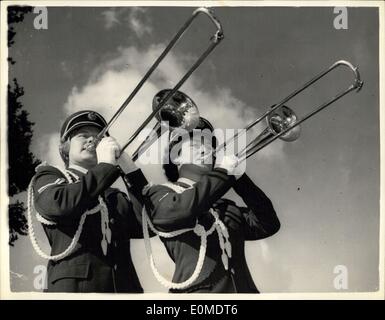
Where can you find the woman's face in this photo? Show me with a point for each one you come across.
(194, 151)
(80, 140)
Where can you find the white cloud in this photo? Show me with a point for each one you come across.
(265, 250)
(50, 150)
(138, 21)
(135, 18)
(110, 18)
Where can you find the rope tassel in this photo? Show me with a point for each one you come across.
(106, 231)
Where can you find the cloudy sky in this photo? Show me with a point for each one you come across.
(324, 186)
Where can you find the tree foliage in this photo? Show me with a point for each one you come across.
(21, 161)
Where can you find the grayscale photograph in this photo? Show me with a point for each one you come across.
(190, 148)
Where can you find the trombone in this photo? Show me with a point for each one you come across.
(214, 41)
(282, 122)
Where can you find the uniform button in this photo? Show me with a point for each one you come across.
(115, 244)
(115, 266)
(112, 220)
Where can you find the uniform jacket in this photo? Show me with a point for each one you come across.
(87, 269)
(172, 211)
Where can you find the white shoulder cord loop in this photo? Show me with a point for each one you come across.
(101, 207)
(200, 231)
(202, 253)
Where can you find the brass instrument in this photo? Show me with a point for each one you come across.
(282, 122)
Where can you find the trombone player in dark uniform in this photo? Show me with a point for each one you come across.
(192, 219)
(88, 224)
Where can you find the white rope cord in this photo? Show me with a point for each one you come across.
(31, 231)
(200, 231)
(225, 233)
(104, 219)
(225, 259)
(43, 220)
(106, 231)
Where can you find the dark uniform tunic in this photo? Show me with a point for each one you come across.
(170, 211)
(87, 269)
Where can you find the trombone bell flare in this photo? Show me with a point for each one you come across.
(180, 111)
(281, 119)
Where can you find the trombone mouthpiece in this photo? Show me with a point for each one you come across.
(91, 147)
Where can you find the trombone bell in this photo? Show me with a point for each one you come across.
(281, 119)
(180, 111)
(278, 120)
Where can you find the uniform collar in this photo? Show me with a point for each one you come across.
(78, 168)
(189, 174)
(185, 182)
